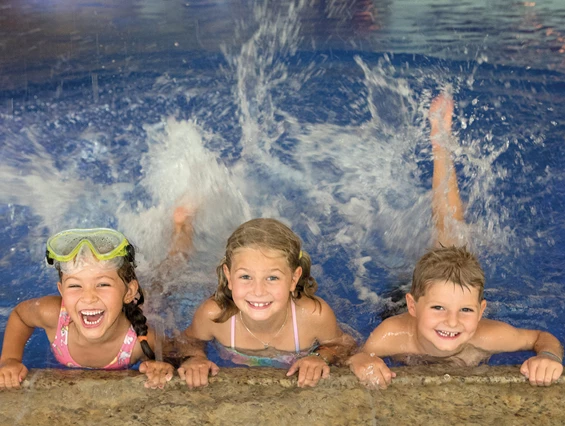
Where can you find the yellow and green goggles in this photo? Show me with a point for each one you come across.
(104, 243)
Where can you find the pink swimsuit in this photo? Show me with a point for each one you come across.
(60, 346)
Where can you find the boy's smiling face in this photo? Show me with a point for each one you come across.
(447, 316)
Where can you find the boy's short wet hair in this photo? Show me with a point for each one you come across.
(455, 264)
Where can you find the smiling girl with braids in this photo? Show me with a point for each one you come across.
(97, 321)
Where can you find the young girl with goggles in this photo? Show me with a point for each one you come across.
(97, 321)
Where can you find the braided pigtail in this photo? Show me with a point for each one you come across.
(132, 310)
(139, 323)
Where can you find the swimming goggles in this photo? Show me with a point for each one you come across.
(104, 243)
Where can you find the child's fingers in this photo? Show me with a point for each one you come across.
(181, 372)
(325, 371)
(382, 382)
(188, 378)
(548, 379)
(525, 369)
(556, 373)
(214, 369)
(293, 369)
(311, 376)
(201, 376)
(302, 376)
(9, 380)
(169, 375)
(533, 367)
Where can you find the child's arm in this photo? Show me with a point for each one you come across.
(544, 368)
(389, 338)
(23, 320)
(194, 370)
(335, 347)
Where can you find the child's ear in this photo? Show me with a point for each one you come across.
(227, 275)
(60, 288)
(482, 309)
(133, 288)
(411, 304)
(295, 278)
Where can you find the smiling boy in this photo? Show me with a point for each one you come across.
(444, 324)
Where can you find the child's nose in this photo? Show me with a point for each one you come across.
(452, 319)
(259, 288)
(89, 295)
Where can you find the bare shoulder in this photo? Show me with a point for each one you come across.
(316, 310)
(203, 326)
(488, 327)
(390, 335)
(208, 310)
(401, 323)
(41, 312)
(498, 336)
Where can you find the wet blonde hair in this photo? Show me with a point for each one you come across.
(455, 264)
(267, 234)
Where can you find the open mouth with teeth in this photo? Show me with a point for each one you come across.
(91, 318)
(447, 334)
(259, 305)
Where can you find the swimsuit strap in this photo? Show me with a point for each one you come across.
(295, 326)
(60, 345)
(233, 332)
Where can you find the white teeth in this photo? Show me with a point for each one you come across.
(91, 312)
(87, 322)
(86, 314)
(446, 333)
(259, 305)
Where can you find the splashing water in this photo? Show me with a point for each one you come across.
(336, 148)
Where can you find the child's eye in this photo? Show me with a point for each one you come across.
(73, 286)
(245, 277)
(272, 278)
(104, 285)
(467, 310)
(437, 308)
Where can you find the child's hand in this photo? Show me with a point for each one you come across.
(371, 370)
(12, 373)
(310, 370)
(158, 373)
(541, 370)
(194, 371)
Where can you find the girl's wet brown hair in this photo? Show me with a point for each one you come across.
(267, 234)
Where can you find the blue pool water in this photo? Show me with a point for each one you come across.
(313, 112)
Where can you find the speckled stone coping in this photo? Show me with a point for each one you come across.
(419, 396)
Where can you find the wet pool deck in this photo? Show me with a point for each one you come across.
(419, 396)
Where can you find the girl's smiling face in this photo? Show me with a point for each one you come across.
(94, 298)
(261, 281)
